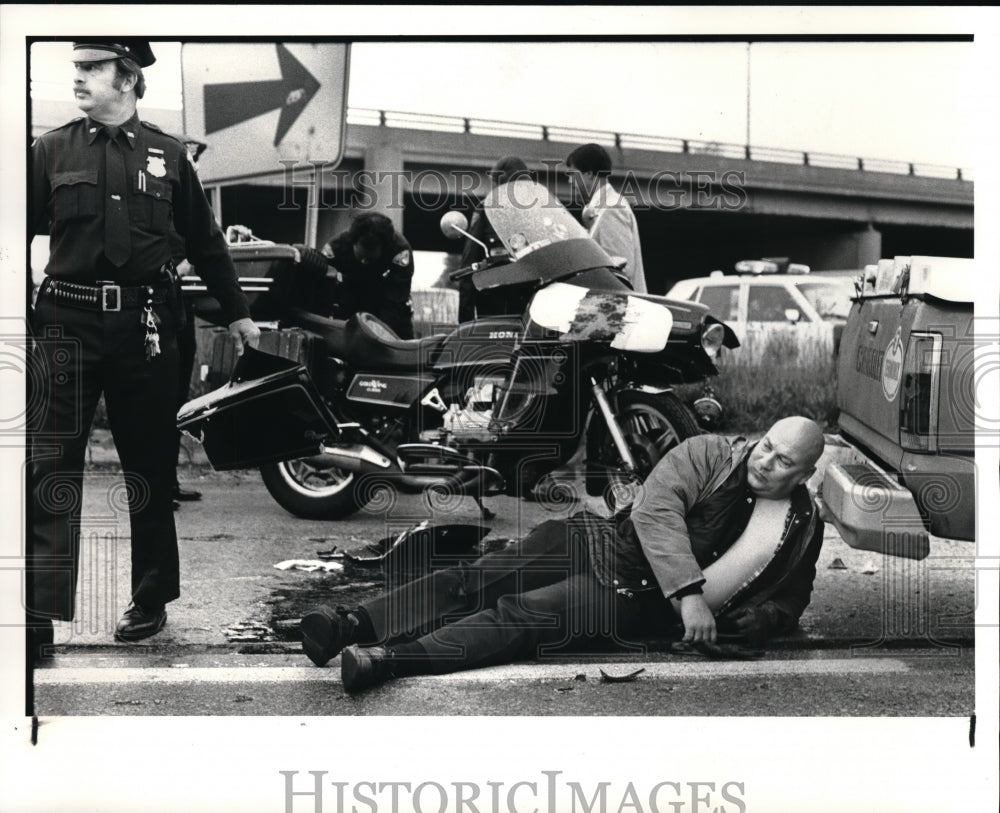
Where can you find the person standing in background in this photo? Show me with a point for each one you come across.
(607, 215)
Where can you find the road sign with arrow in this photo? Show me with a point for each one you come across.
(261, 105)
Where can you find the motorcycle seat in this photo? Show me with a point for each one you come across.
(372, 344)
(333, 332)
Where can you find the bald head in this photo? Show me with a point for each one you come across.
(803, 433)
(785, 457)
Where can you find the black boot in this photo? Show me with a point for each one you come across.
(140, 622)
(326, 631)
(364, 667)
(185, 494)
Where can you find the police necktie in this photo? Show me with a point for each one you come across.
(117, 241)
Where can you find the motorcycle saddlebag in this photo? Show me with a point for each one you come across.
(269, 411)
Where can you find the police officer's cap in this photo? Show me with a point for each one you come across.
(101, 50)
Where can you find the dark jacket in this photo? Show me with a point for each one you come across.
(693, 506)
(381, 289)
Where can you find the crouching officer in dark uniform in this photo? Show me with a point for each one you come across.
(374, 268)
(111, 188)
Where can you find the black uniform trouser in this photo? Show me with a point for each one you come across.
(537, 598)
(78, 355)
(186, 349)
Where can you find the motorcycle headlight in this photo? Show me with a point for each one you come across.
(711, 339)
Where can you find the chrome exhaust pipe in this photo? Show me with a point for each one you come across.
(468, 482)
(365, 460)
(352, 457)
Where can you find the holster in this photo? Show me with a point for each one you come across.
(176, 302)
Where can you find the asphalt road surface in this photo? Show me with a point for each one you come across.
(883, 636)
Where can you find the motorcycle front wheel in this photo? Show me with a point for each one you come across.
(313, 492)
(652, 424)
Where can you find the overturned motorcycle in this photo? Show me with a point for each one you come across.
(489, 407)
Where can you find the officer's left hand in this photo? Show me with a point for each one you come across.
(244, 332)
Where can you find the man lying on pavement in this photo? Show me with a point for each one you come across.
(722, 536)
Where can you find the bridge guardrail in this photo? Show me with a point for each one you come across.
(543, 132)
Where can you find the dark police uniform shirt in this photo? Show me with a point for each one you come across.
(382, 289)
(164, 193)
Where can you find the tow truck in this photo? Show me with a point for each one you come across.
(903, 465)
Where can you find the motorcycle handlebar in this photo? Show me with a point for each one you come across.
(462, 273)
(482, 265)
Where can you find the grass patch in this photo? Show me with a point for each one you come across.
(782, 383)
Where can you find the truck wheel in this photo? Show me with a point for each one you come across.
(652, 425)
(312, 492)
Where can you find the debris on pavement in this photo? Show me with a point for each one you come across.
(327, 555)
(869, 568)
(353, 586)
(718, 651)
(309, 565)
(837, 564)
(631, 676)
(248, 632)
(420, 549)
(289, 625)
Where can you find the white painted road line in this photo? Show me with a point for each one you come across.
(62, 676)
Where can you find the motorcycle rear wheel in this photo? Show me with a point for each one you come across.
(652, 424)
(311, 492)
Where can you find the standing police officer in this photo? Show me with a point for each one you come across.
(111, 188)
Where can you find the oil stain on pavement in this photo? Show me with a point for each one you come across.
(363, 575)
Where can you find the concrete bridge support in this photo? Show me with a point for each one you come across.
(850, 250)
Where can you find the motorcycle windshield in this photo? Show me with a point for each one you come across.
(526, 217)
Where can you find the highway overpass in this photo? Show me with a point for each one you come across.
(700, 205)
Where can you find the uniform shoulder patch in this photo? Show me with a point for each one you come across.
(402, 259)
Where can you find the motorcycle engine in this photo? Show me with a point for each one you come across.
(471, 421)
